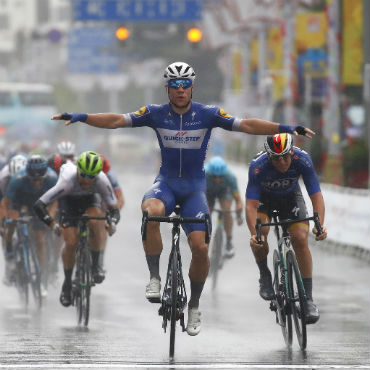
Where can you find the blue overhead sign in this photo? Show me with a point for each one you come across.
(89, 51)
(137, 10)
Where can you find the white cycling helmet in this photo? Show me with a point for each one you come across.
(17, 163)
(66, 148)
(179, 70)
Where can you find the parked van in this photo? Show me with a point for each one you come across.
(26, 104)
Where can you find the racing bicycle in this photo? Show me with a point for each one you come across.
(217, 247)
(290, 296)
(28, 272)
(174, 299)
(82, 281)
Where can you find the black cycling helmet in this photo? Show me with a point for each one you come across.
(36, 166)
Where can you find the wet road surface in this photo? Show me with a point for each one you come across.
(238, 329)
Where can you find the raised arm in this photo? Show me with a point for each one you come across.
(101, 120)
(257, 126)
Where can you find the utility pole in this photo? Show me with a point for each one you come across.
(366, 91)
(333, 171)
(289, 61)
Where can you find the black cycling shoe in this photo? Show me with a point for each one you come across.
(312, 312)
(266, 288)
(98, 275)
(66, 295)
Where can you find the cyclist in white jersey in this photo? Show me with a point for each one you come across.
(80, 189)
(183, 129)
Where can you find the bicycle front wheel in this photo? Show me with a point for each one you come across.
(21, 279)
(83, 286)
(216, 256)
(283, 311)
(297, 299)
(35, 277)
(174, 286)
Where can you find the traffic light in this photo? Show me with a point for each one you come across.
(194, 35)
(122, 34)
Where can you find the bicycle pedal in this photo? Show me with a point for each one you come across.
(161, 311)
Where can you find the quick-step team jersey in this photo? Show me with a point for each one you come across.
(263, 177)
(183, 138)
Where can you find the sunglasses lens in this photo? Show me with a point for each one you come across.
(85, 176)
(177, 83)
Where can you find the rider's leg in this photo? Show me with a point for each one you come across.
(266, 289)
(40, 241)
(228, 218)
(153, 243)
(71, 237)
(199, 266)
(97, 242)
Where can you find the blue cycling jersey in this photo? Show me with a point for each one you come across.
(228, 184)
(183, 138)
(264, 178)
(21, 191)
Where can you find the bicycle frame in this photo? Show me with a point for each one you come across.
(174, 299)
(82, 282)
(287, 301)
(29, 271)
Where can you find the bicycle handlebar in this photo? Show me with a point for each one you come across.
(175, 220)
(87, 218)
(314, 218)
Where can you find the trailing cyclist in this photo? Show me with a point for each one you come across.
(66, 152)
(183, 129)
(222, 185)
(273, 185)
(24, 188)
(16, 163)
(80, 189)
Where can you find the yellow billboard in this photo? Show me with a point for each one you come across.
(352, 49)
(311, 30)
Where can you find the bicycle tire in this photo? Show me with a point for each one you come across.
(284, 318)
(297, 299)
(21, 282)
(216, 256)
(83, 287)
(174, 285)
(35, 276)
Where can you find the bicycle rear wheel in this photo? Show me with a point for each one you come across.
(297, 299)
(83, 288)
(284, 318)
(216, 256)
(174, 286)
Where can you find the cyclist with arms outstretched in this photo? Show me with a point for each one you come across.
(183, 129)
(273, 185)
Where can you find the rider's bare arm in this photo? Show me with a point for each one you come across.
(318, 205)
(257, 126)
(251, 207)
(101, 120)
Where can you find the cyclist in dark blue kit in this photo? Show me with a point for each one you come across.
(273, 185)
(183, 129)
